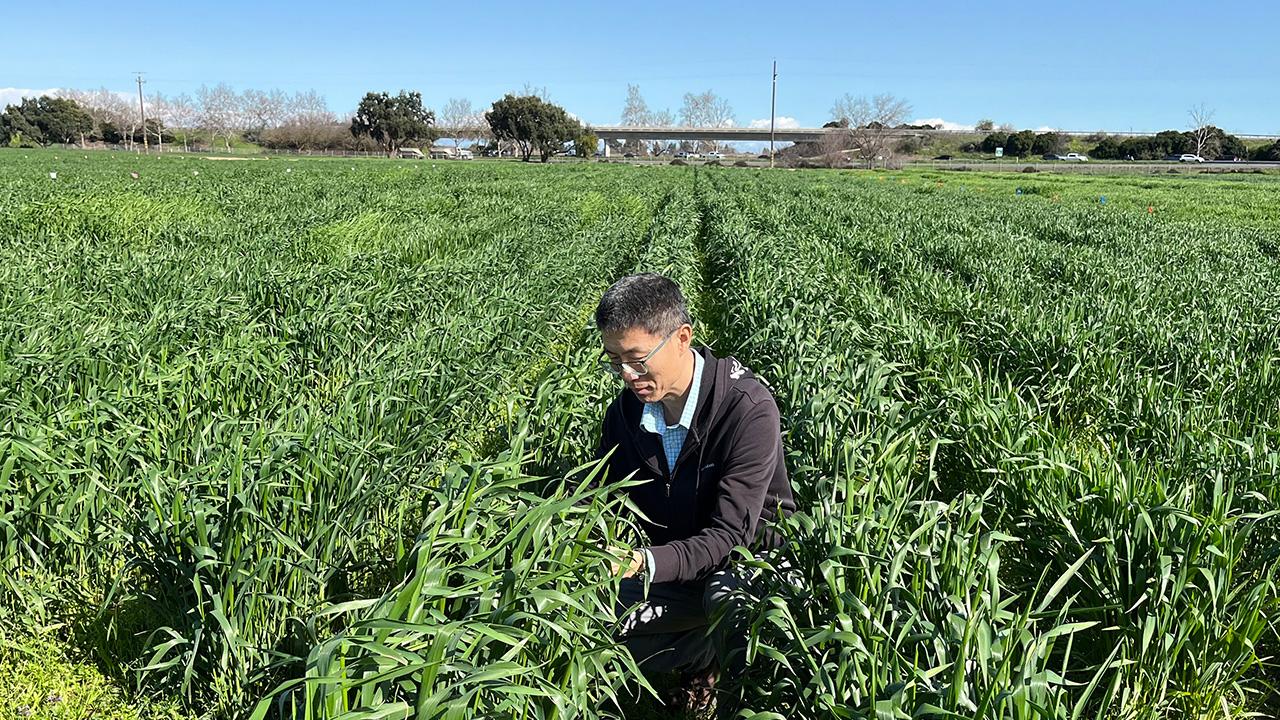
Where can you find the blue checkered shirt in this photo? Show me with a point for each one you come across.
(654, 420)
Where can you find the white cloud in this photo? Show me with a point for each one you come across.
(944, 124)
(781, 122)
(1044, 128)
(13, 96)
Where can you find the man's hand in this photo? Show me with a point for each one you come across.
(635, 563)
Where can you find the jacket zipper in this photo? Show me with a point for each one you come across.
(671, 474)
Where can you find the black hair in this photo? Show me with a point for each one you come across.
(649, 301)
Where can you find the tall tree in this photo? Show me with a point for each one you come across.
(661, 118)
(392, 120)
(263, 110)
(706, 110)
(115, 115)
(533, 124)
(635, 113)
(1201, 131)
(869, 123)
(47, 120)
(461, 119)
(218, 112)
(182, 114)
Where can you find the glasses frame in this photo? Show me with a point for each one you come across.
(616, 369)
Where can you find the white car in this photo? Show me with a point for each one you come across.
(1074, 157)
(713, 155)
(1190, 157)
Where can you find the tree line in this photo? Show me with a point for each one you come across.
(216, 116)
(1209, 142)
(528, 121)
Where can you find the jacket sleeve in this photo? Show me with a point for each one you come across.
(748, 469)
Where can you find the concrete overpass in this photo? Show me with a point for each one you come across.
(723, 134)
(793, 135)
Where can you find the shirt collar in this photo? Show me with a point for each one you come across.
(654, 419)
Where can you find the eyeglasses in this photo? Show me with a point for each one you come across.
(635, 367)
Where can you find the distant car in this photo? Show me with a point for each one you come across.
(714, 155)
(628, 155)
(464, 154)
(1074, 157)
(685, 154)
(943, 157)
(1051, 156)
(1190, 157)
(412, 153)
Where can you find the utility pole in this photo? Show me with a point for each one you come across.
(773, 110)
(142, 109)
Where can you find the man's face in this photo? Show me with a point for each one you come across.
(665, 366)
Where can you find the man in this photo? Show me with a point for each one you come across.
(704, 433)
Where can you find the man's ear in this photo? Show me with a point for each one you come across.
(685, 334)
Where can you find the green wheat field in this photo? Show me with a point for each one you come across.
(311, 439)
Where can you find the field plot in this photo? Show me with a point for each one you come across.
(306, 438)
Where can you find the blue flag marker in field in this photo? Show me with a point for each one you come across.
(1103, 199)
(1018, 191)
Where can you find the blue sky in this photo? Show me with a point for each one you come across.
(1079, 66)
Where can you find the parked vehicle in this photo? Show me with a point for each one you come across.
(1190, 157)
(1051, 156)
(464, 154)
(1074, 157)
(715, 155)
(411, 153)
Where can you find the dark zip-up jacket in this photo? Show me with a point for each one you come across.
(728, 483)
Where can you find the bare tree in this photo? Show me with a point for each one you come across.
(263, 110)
(538, 91)
(158, 118)
(1202, 134)
(112, 112)
(706, 110)
(635, 113)
(219, 112)
(309, 124)
(182, 115)
(871, 123)
(661, 118)
(461, 119)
